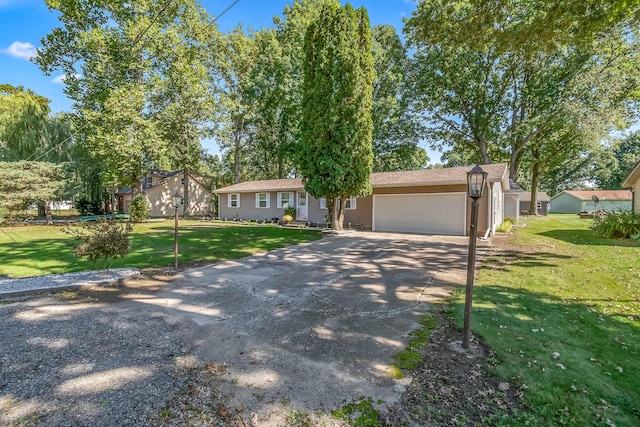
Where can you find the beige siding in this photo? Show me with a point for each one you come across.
(360, 217)
(512, 206)
(160, 197)
(636, 196)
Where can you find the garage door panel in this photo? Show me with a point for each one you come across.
(421, 213)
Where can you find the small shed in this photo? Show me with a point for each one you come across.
(542, 200)
(576, 201)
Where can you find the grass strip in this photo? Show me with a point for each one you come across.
(38, 250)
(560, 307)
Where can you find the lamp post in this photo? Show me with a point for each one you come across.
(476, 179)
(177, 201)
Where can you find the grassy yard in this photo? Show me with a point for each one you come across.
(38, 249)
(561, 309)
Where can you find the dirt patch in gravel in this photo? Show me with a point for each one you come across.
(452, 386)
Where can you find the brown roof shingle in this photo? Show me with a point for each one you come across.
(541, 196)
(446, 176)
(601, 194)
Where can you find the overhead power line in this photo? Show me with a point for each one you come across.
(155, 18)
(215, 18)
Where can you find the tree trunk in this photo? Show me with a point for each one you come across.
(237, 145)
(47, 212)
(482, 145)
(186, 208)
(41, 210)
(331, 210)
(535, 178)
(338, 223)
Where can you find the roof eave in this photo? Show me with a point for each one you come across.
(633, 176)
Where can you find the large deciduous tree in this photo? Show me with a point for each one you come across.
(335, 151)
(234, 71)
(115, 55)
(495, 101)
(396, 126)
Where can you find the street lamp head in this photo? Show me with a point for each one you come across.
(177, 200)
(476, 179)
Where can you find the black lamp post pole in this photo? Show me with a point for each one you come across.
(471, 267)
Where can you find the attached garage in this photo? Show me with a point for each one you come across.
(431, 213)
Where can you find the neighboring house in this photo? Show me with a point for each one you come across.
(542, 202)
(158, 187)
(633, 182)
(512, 200)
(429, 201)
(576, 201)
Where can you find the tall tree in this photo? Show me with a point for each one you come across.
(335, 151)
(111, 55)
(502, 102)
(396, 126)
(182, 93)
(232, 127)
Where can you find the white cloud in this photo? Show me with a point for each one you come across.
(24, 50)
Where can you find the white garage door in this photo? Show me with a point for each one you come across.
(442, 213)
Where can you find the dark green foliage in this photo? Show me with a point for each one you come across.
(335, 151)
(291, 211)
(617, 161)
(103, 240)
(24, 182)
(88, 207)
(139, 209)
(617, 225)
(397, 129)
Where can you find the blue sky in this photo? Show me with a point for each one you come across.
(25, 22)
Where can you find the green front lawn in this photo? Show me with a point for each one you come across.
(561, 309)
(38, 249)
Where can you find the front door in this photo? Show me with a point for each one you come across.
(302, 212)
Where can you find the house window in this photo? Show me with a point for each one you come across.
(350, 203)
(539, 205)
(181, 181)
(262, 200)
(147, 181)
(234, 200)
(285, 200)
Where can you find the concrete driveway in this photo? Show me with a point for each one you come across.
(305, 327)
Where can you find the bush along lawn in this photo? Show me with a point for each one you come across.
(37, 250)
(560, 307)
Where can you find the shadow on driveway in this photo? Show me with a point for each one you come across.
(304, 327)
